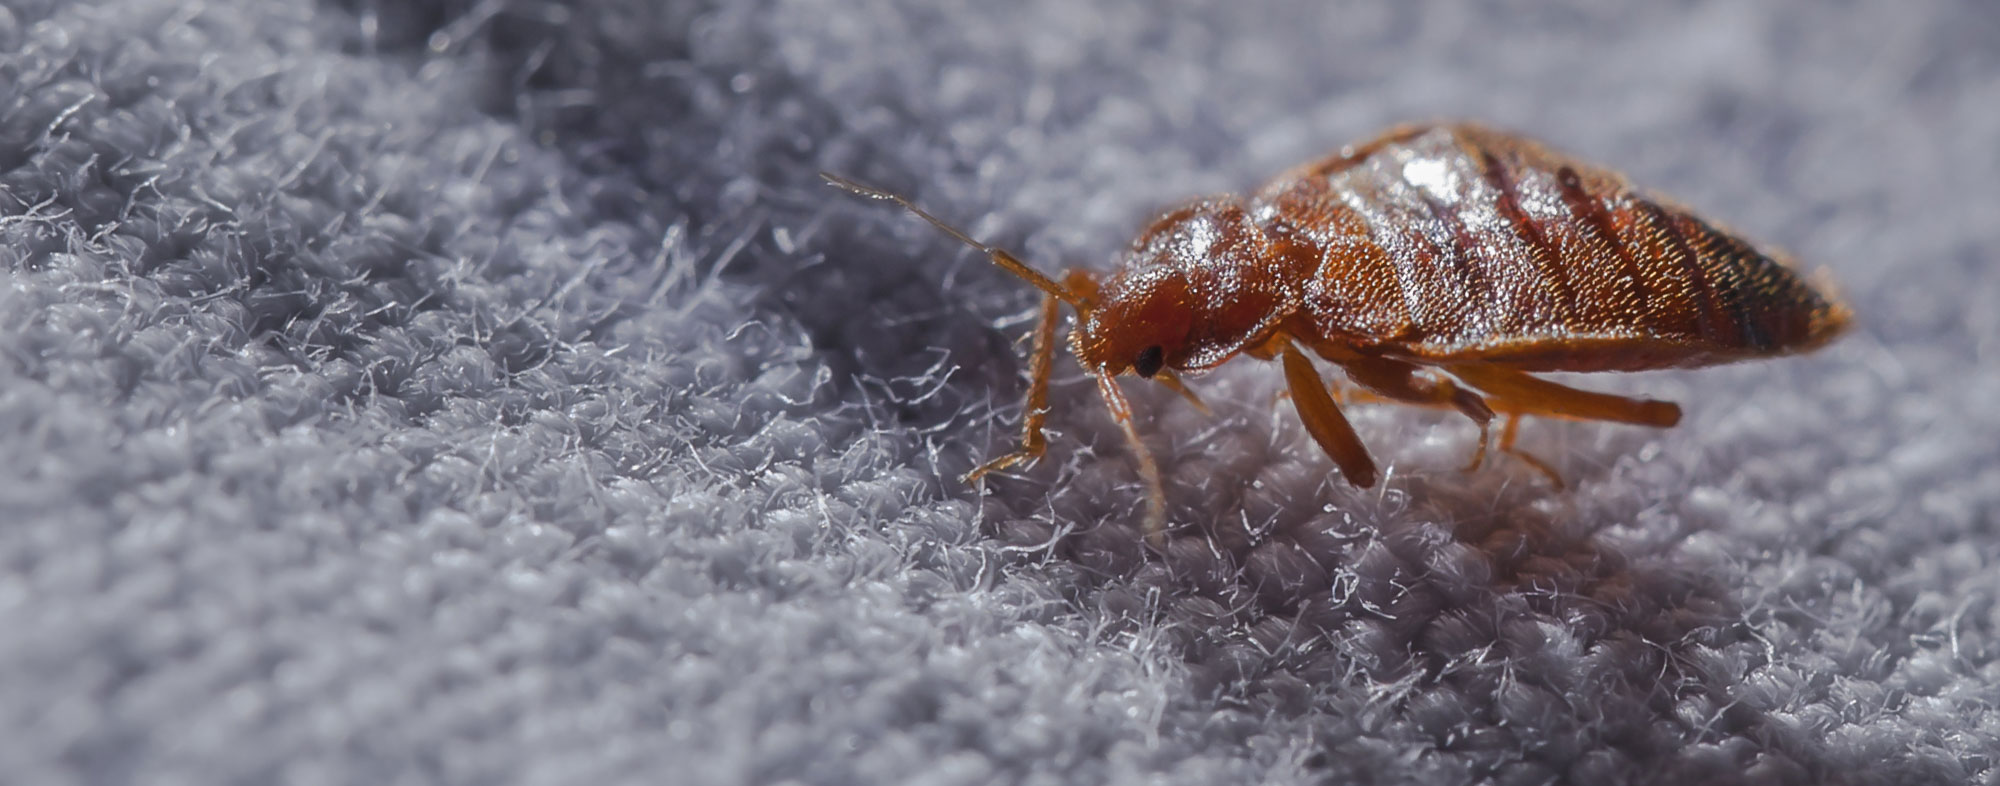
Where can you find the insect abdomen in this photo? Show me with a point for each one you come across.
(1462, 243)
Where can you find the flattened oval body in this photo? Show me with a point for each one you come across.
(1460, 243)
(1437, 266)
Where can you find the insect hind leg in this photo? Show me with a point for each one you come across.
(1517, 393)
(1507, 435)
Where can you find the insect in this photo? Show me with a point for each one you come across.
(1436, 265)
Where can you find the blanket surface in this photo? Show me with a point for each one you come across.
(488, 391)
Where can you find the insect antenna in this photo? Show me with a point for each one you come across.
(1114, 398)
(1000, 257)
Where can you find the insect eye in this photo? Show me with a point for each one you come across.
(1149, 361)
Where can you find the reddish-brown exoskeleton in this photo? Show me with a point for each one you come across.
(1436, 265)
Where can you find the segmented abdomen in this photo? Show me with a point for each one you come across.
(1463, 243)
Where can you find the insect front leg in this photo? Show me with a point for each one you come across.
(1149, 470)
(1036, 414)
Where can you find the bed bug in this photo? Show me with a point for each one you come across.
(1437, 265)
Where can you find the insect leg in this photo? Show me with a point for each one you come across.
(1479, 453)
(1517, 392)
(1041, 361)
(1156, 490)
(1507, 435)
(1400, 381)
(1324, 422)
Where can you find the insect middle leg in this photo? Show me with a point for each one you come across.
(1041, 362)
(1405, 382)
(1323, 420)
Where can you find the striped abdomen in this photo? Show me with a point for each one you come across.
(1463, 243)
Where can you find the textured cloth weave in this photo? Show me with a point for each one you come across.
(490, 392)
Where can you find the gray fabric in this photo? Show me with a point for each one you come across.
(489, 392)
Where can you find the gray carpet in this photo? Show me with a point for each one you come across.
(488, 392)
